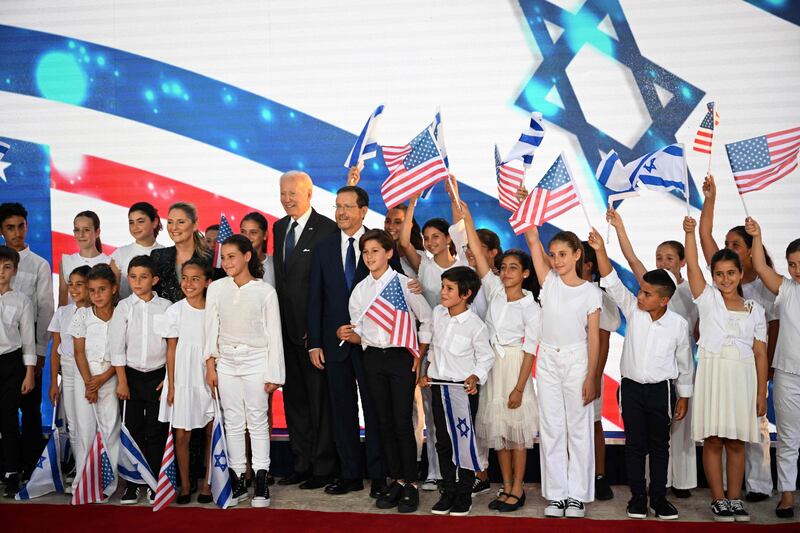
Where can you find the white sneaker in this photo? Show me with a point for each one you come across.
(68, 489)
(575, 509)
(429, 485)
(555, 509)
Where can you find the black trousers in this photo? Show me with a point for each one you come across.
(391, 387)
(444, 446)
(141, 414)
(12, 373)
(31, 439)
(308, 414)
(346, 381)
(647, 414)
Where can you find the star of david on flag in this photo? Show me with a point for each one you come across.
(3, 165)
(761, 161)
(218, 477)
(460, 427)
(413, 168)
(46, 477)
(661, 170)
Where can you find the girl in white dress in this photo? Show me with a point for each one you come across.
(86, 229)
(731, 379)
(97, 381)
(786, 363)
(566, 373)
(758, 475)
(188, 403)
(144, 224)
(62, 354)
(508, 417)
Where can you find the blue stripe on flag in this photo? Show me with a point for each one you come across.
(54, 466)
(225, 495)
(657, 181)
(128, 444)
(530, 139)
(673, 150)
(608, 166)
(453, 430)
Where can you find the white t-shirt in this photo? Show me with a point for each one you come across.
(565, 310)
(70, 262)
(787, 351)
(62, 320)
(86, 325)
(122, 257)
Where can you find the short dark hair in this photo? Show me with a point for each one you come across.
(152, 213)
(793, 247)
(466, 279)
(678, 246)
(659, 279)
(212, 227)
(12, 209)
(383, 238)
(102, 271)
(362, 197)
(143, 261)
(7, 253)
(82, 271)
(205, 266)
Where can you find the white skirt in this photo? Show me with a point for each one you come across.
(724, 402)
(192, 406)
(497, 426)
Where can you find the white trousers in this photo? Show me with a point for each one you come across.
(566, 426)
(682, 467)
(86, 425)
(757, 473)
(786, 390)
(430, 433)
(244, 404)
(69, 372)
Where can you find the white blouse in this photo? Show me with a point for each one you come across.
(62, 320)
(717, 322)
(86, 325)
(516, 323)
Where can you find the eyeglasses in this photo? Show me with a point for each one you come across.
(345, 207)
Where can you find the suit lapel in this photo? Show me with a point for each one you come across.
(305, 239)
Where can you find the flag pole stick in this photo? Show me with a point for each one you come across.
(686, 183)
(577, 193)
(124, 411)
(608, 224)
(746, 212)
(714, 129)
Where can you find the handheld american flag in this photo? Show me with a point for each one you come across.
(412, 168)
(509, 180)
(760, 161)
(167, 477)
(528, 142)
(554, 195)
(390, 311)
(97, 474)
(225, 231)
(705, 134)
(366, 145)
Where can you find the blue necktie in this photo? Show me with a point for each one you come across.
(350, 263)
(288, 245)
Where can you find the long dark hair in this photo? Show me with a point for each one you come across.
(490, 239)
(531, 283)
(574, 243)
(244, 245)
(260, 220)
(728, 255)
(91, 215)
(590, 256)
(152, 213)
(442, 226)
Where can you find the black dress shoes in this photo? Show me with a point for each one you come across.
(315, 482)
(377, 488)
(343, 486)
(294, 479)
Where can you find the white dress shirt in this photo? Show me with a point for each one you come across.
(716, 322)
(269, 270)
(16, 316)
(62, 320)
(132, 340)
(364, 295)
(122, 257)
(654, 350)
(302, 220)
(243, 329)
(565, 310)
(516, 323)
(787, 352)
(34, 279)
(86, 325)
(460, 346)
(346, 242)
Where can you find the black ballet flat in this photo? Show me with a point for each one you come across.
(183, 499)
(495, 504)
(205, 498)
(506, 507)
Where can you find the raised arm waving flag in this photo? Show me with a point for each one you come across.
(366, 145)
(413, 168)
(528, 142)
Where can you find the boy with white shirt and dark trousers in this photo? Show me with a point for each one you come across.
(17, 361)
(657, 368)
(460, 353)
(139, 356)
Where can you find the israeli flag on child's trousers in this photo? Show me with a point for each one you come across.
(132, 465)
(460, 427)
(218, 477)
(46, 477)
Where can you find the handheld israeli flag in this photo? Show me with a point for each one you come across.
(366, 145)
(46, 477)
(218, 477)
(132, 465)
(460, 427)
(661, 170)
(611, 173)
(528, 142)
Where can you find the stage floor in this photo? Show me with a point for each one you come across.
(694, 509)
